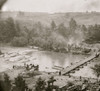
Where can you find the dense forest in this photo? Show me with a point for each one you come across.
(51, 37)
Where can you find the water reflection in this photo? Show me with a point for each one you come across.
(47, 60)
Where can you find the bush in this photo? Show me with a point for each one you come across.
(19, 41)
(20, 84)
(40, 85)
(7, 83)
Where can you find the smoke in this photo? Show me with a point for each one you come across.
(52, 6)
(76, 38)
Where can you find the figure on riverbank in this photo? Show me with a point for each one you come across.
(36, 68)
(59, 73)
(1, 52)
(27, 67)
(80, 78)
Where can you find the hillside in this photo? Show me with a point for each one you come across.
(45, 18)
(49, 31)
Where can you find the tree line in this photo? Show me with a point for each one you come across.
(53, 37)
(18, 84)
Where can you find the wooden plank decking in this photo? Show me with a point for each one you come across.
(76, 65)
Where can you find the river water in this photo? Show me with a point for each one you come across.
(47, 60)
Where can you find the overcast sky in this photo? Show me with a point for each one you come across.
(52, 6)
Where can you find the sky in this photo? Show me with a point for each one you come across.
(52, 6)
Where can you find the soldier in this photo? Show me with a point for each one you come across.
(59, 73)
(1, 52)
(80, 78)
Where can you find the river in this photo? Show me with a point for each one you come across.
(46, 60)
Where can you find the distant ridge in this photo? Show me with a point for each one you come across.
(86, 18)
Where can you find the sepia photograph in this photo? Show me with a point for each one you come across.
(49, 45)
